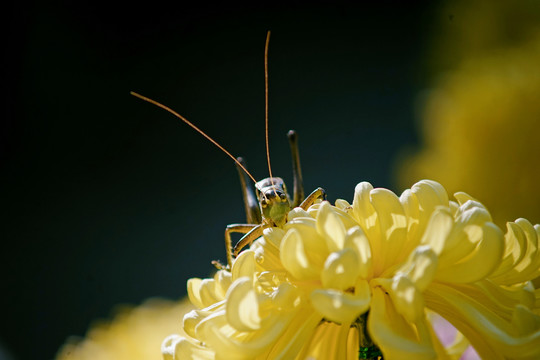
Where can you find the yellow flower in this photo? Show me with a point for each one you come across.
(481, 127)
(480, 118)
(348, 281)
(134, 333)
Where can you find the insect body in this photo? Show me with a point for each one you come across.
(271, 204)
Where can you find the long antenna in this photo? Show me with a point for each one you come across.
(266, 107)
(194, 127)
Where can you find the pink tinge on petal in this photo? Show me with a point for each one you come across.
(470, 354)
(445, 331)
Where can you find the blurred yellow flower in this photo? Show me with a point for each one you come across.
(481, 127)
(354, 281)
(480, 121)
(134, 333)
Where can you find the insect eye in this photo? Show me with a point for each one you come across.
(264, 203)
(283, 197)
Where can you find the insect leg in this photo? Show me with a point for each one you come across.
(247, 239)
(233, 228)
(253, 212)
(298, 196)
(317, 194)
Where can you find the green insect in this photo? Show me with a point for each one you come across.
(269, 205)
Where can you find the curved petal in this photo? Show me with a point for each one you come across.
(203, 292)
(491, 335)
(175, 347)
(295, 258)
(437, 231)
(393, 226)
(331, 227)
(332, 341)
(223, 280)
(367, 218)
(340, 270)
(242, 307)
(194, 288)
(396, 338)
(514, 251)
(244, 265)
(429, 195)
(228, 343)
(357, 240)
(406, 298)
(477, 265)
(295, 336)
(339, 306)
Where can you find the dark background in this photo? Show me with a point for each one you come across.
(107, 199)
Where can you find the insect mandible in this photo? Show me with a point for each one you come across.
(269, 205)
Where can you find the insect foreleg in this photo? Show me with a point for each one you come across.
(234, 228)
(317, 194)
(247, 239)
(298, 195)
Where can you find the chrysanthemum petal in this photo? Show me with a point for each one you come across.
(492, 336)
(470, 220)
(192, 319)
(480, 262)
(332, 341)
(342, 307)
(406, 298)
(514, 251)
(528, 267)
(175, 347)
(429, 195)
(202, 292)
(342, 204)
(366, 216)
(358, 241)
(193, 288)
(331, 227)
(297, 212)
(393, 225)
(242, 308)
(340, 270)
(421, 267)
(231, 344)
(223, 281)
(266, 249)
(397, 338)
(498, 299)
(409, 201)
(294, 256)
(244, 265)
(439, 226)
(525, 321)
(316, 243)
(295, 337)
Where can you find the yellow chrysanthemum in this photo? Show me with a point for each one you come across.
(481, 128)
(480, 118)
(134, 333)
(345, 281)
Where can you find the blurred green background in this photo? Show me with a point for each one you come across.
(110, 200)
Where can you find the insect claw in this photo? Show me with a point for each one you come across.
(218, 265)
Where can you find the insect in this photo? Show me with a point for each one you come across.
(269, 205)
